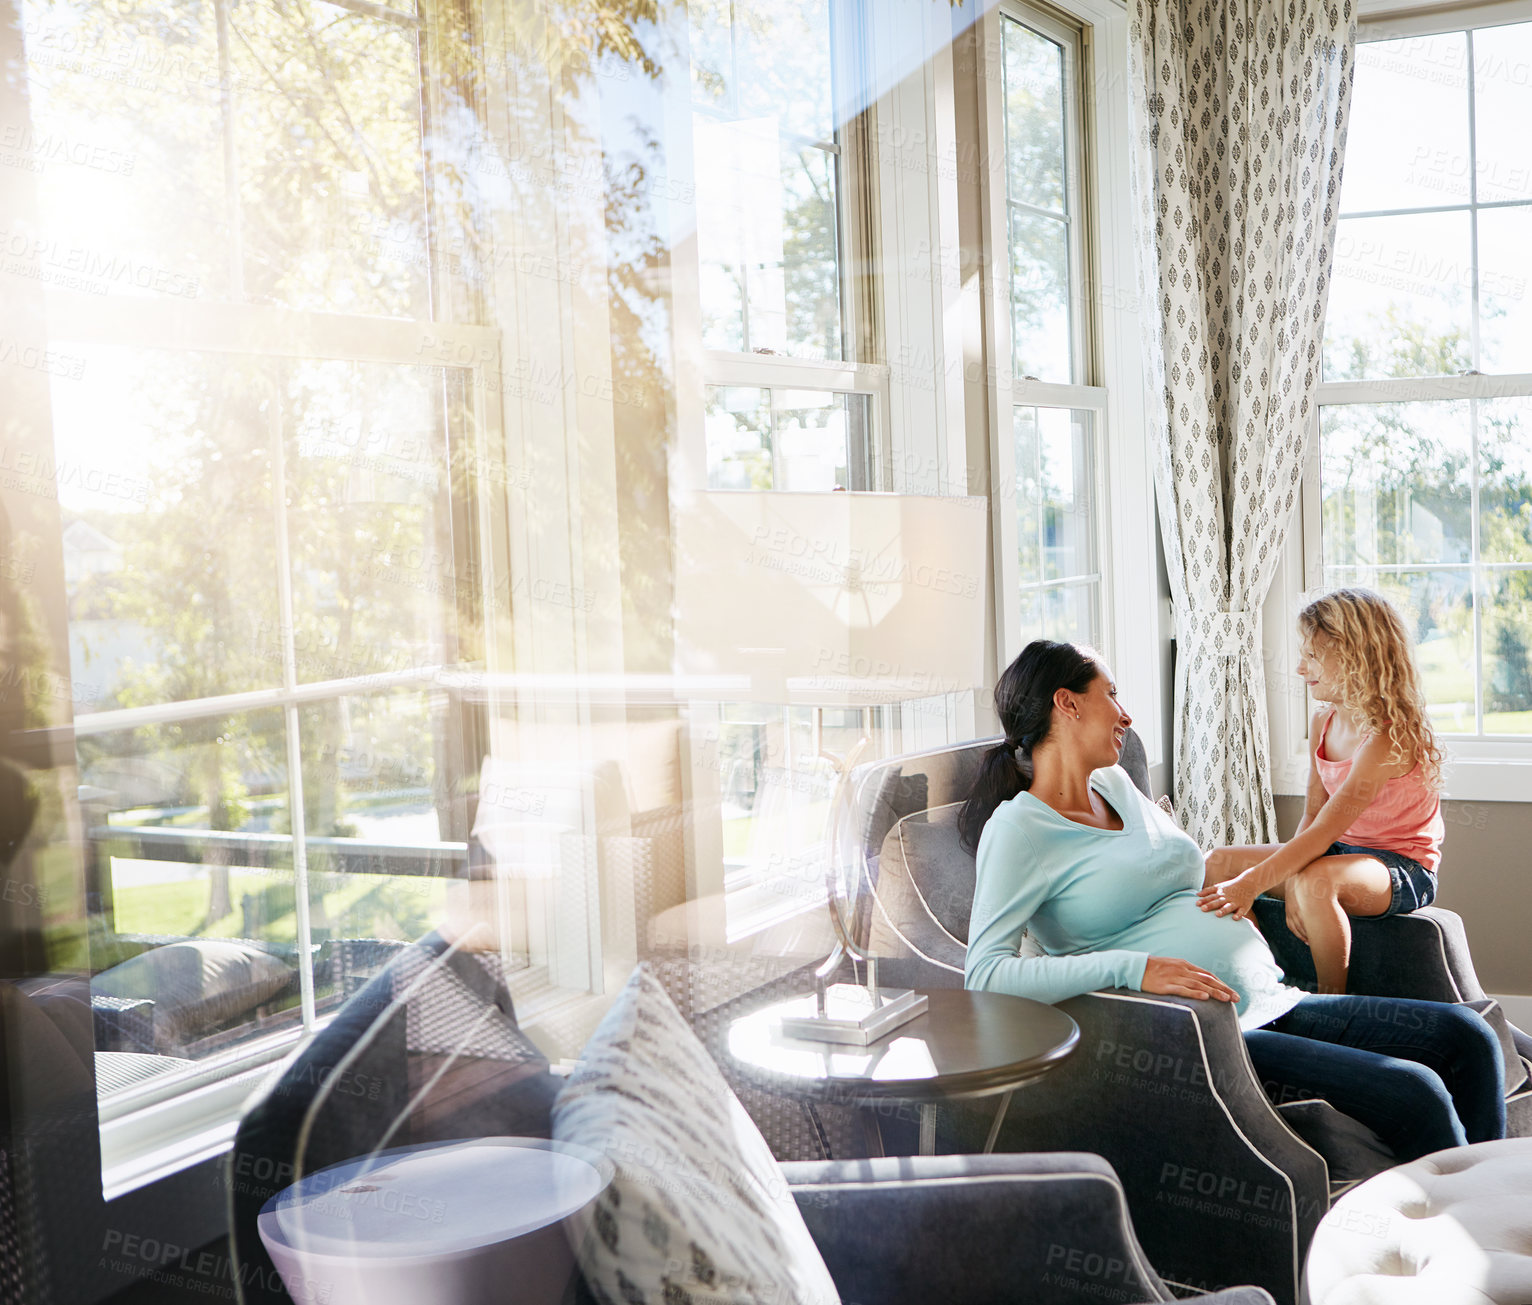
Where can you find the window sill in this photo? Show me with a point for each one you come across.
(170, 1124)
(754, 909)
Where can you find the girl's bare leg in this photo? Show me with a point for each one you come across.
(1226, 862)
(1326, 893)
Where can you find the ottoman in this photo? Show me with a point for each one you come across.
(1452, 1228)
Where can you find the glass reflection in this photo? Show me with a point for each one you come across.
(341, 594)
(1400, 302)
(1407, 141)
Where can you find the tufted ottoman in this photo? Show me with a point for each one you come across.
(1452, 1228)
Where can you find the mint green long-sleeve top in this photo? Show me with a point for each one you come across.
(1100, 902)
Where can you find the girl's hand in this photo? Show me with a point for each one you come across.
(1232, 897)
(1294, 921)
(1165, 974)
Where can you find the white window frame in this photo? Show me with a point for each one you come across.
(1477, 769)
(1106, 276)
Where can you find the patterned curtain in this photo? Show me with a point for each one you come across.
(1239, 116)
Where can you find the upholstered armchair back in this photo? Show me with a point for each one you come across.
(920, 877)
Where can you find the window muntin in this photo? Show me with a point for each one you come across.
(1424, 416)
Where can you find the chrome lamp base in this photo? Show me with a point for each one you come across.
(851, 1014)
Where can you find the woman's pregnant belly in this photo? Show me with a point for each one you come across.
(1232, 949)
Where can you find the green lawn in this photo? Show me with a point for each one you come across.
(1446, 662)
(351, 906)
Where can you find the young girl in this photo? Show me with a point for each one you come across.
(1371, 834)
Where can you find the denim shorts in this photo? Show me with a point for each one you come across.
(1414, 886)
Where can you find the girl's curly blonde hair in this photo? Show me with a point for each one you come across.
(1377, 675)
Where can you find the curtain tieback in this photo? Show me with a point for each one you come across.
(1227, 633)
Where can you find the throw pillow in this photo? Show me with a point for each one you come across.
(196, 985)
(698, 1213)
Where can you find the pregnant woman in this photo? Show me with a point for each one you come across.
(1107, 884)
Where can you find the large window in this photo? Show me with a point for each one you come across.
(1426, 410)
(272, 520)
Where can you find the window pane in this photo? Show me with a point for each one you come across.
(1438, 611)
(1068, 492)
(1040, 318)
(1031, 609)
(809, 430)
(380, 811)
(800, 440)
(1505, 480)
(1502, 110)
(738, 425)
(1069, 613)
(783, 50)
(1055, 538)
(337, 223)
(803, 316)
(766, 238)
(1034, 117)
(764, 59)
(376, 583)
(1407, 141)
(1507, 645)
(1029, 495)
(131, 183)
(164, 477)
(776, 791)
(767, 202)
(1399, 304)
(188, 825)
(320, 142)
(1505, 290)
(1395, 480)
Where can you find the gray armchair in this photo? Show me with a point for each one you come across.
(429, 1049)
(947, 1229)
(1225, 1185)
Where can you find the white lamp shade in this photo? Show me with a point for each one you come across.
(835, 598)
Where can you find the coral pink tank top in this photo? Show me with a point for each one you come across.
(1405, 816)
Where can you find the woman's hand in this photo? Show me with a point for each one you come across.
(1176, 978)
(1232, 897)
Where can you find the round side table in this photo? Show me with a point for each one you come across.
(451, 1223)
(966, 1044)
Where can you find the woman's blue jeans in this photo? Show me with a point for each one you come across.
(1423, 1075)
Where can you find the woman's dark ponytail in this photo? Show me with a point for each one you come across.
(1024, 704)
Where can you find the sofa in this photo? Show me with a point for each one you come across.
(1224, 1183)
